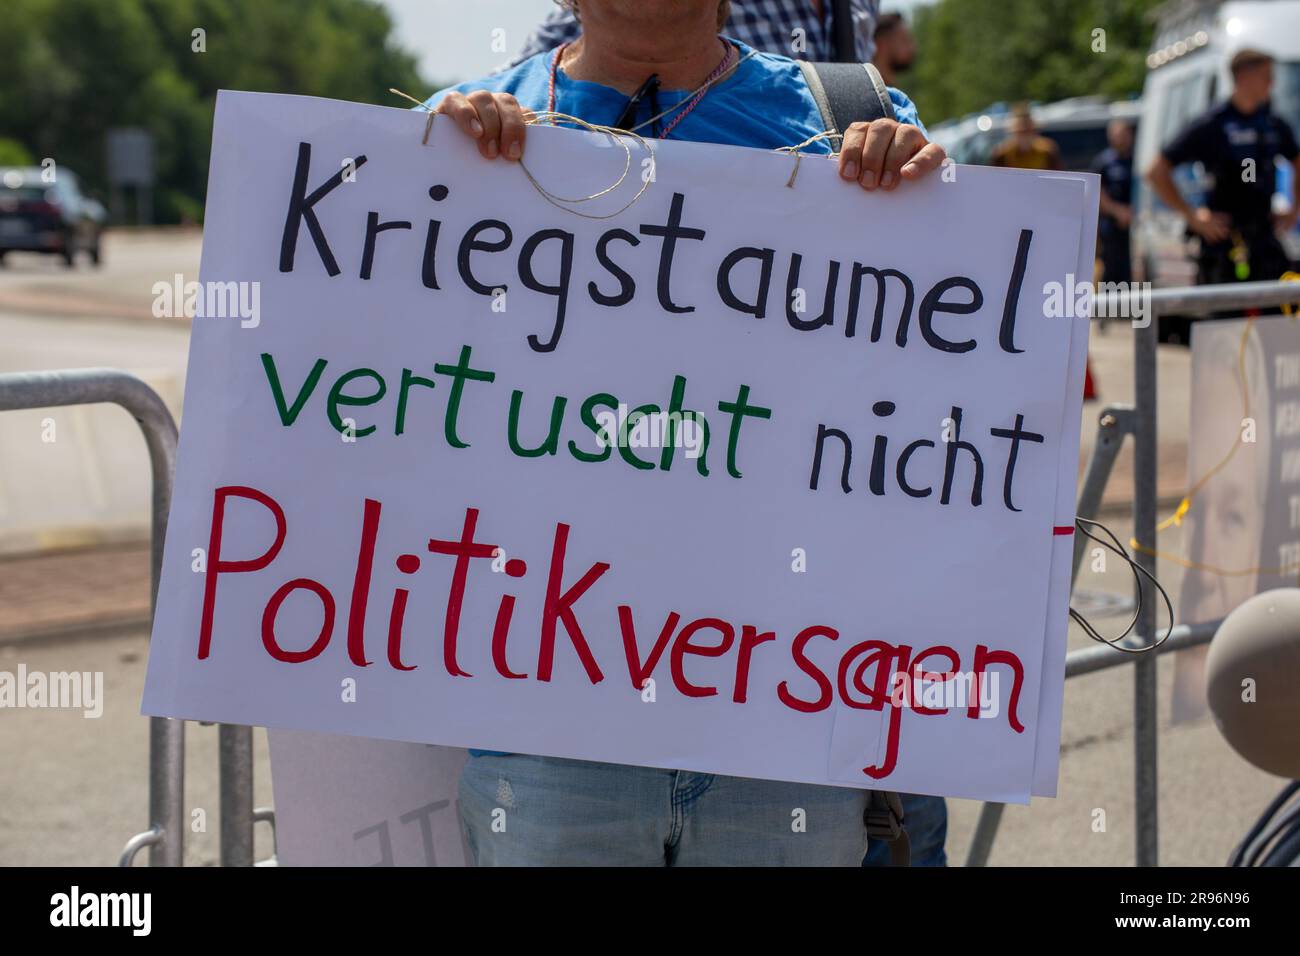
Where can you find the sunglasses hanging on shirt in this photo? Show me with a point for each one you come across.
(649, 88)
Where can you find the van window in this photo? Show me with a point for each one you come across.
(1177, 112)
(1079, 145)
(1286, 92)
(24, 193)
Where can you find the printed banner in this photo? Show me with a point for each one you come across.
(1242, 527)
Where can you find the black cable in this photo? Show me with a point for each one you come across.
(1137, 570)
(1286, 851)
(1238, 855)
(1272, 843)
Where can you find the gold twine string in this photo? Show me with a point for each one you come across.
(798, 155)
(428, 125)
(536, 117)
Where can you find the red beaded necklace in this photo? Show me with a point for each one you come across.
(683, 109)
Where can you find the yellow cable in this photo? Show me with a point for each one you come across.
(1287, 307)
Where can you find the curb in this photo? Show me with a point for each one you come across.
(70, 632)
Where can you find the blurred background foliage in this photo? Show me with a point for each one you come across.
(972, 53)
(72, 69)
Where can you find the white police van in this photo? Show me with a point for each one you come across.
(1187, 74)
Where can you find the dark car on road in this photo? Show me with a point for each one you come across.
(37, 215)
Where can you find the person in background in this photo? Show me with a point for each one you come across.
(1025, 148)
(895, 47)
(802, 29)
(799, 29)
(581, 812)
(1115, 167)
(1237, 143)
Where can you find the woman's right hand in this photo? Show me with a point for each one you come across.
(495, 120)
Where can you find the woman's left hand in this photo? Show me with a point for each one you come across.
(884, 152)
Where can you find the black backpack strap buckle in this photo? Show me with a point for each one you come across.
(883, 818)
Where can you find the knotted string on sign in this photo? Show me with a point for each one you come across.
(1114, 546)
(428, 125)
(533, 118)
(798, 155)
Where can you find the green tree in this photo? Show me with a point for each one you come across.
(977, 52)
(14, 153)
(70, 70)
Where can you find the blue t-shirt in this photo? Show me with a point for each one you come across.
(764, 103)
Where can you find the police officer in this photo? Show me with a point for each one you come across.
(1115, 167)
(1237, 143)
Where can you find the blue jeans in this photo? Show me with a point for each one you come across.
(521, 810)
(926, 820)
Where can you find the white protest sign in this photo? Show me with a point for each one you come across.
(434, 504)
(349, 801)
(1048, 758)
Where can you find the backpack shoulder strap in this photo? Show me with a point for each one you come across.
(847, 93)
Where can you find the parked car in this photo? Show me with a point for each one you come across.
(51, 217)
(1187, 74)
(1076, 125)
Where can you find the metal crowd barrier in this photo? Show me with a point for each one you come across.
(1139, 421)
(165, 836)
(27, 390)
